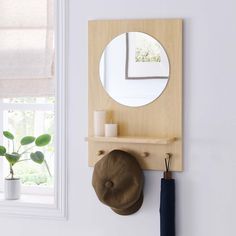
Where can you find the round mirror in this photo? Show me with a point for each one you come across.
(134, 69)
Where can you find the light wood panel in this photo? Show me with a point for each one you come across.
(162, 118)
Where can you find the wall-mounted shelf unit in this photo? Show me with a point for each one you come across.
(133, 140)
(152, 128)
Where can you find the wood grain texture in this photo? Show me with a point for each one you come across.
(128, 139)
(162, 118)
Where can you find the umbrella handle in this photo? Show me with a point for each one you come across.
(167, 173)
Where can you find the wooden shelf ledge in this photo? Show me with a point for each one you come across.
(128, 139)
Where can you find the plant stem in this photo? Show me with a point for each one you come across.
(23, 160)
(27, 150)
(11, 171)
(18, 148)
(46, 164)
(13, 146)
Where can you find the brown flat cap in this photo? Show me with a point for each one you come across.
(118, 182)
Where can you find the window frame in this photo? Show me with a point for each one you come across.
(58, 210)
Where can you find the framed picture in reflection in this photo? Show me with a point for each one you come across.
(145, 57)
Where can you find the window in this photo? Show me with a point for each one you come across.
(27, 58)
(32, 99)
(30, 116)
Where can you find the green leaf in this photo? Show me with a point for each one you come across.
(12, 158)
(43, 140)
(2, 151)
(8, 135)
(37, 157)
(27, 140)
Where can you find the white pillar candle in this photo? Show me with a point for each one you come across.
(111, 130)
(99, 122)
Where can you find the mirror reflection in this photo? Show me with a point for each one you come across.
(134, 69)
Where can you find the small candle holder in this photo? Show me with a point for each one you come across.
(111, 130)
(99, 121)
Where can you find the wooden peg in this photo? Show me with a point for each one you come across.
(145, 154)
(168, 155)
(100, 152)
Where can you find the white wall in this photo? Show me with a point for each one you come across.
(206, 190)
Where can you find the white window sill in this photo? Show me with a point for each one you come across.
(31, 206)
(29, 199)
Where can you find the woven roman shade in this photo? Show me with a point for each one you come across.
(26, 48)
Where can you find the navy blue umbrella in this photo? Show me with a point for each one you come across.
(167, 205)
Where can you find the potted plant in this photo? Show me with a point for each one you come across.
(15, 155)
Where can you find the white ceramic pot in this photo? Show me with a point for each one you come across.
(12, 189)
